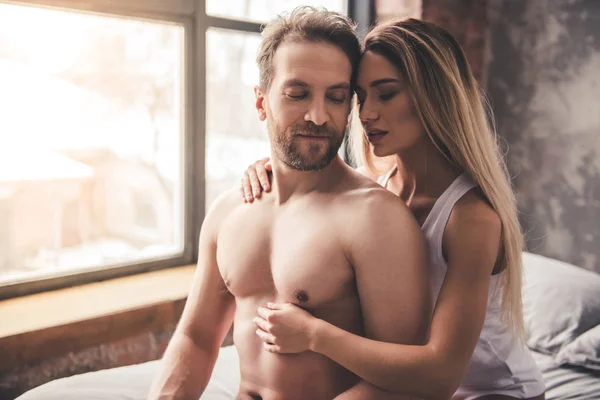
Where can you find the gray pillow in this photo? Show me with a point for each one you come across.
(583, 351)
(560, 302)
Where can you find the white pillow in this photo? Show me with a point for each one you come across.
(583, 351)
(560, 302)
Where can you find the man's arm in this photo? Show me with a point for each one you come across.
(389, 254)
(192, 352)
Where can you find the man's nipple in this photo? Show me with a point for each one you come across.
(301, 296)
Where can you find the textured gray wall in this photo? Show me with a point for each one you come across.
(543, 79)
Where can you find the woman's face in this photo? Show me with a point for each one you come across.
(387, 109)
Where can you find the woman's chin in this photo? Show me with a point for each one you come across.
(381, 152)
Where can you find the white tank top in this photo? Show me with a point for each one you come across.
(500, 363)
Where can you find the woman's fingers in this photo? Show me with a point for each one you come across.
(273, 348)
(263, 177)
(254, 181)
(266, 337)
(275, 306)
(264, 313)
(247, 188)
(242, 191)
(263, 324)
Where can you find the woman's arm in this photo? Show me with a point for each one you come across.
(435, 370)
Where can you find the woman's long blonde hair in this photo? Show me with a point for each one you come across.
(452, 109)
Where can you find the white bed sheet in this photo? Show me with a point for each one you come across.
(133, 382)
(566, 383)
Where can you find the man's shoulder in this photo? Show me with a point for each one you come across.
(360, 187)
(363, 170)
(222, 206)
(227, 200)
(375, 220)
(368, 199)
(356, 182)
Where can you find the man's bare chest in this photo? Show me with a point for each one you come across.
(295, 257)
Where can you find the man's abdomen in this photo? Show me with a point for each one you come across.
(269, 376)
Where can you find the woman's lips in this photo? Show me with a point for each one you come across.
(376, 136)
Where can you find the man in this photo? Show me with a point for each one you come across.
(324, 238)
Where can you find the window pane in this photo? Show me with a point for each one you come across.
(264, 10)
(90, 141)
(390, 9)
(234, 135)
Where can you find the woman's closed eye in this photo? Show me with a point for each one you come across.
(381, 96)
(387, 96)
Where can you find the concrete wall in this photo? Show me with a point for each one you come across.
(543, 78)
(539, 61)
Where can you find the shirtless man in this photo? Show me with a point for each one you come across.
(325, 238)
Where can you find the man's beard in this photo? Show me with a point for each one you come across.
(319, 154)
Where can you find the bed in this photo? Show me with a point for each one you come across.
(567, 382)
(562, 316)
(561, 307)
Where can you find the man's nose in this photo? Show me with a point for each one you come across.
(317, 113)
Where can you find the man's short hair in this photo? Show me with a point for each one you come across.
(310, 24)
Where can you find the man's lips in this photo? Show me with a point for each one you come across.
(316, 137)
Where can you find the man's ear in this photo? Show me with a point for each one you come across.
(260, 103)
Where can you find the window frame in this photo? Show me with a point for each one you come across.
(192, 16)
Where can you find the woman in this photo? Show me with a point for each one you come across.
(423, 116)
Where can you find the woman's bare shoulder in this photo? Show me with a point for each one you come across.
(474, 228)
(474, 206)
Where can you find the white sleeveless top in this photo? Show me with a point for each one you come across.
(500, 363)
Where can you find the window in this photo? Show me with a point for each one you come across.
(263, 10)
(390, 9)
(91, 141)
(234, 135)
(121, 123)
